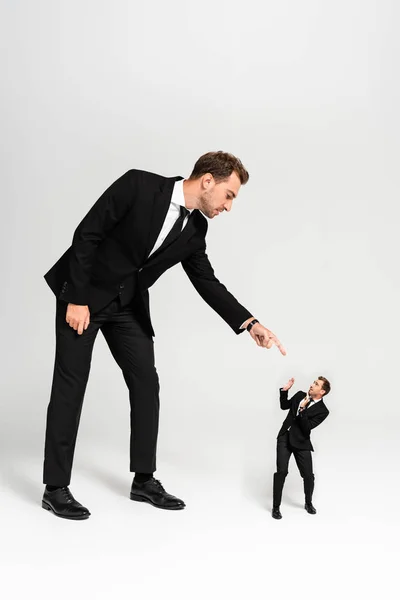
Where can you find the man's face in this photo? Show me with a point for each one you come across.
(217, 197)
(316, 390)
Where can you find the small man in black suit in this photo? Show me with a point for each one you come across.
(306, 411)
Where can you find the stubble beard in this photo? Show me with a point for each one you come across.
(206, 205)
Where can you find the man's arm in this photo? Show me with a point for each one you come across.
(284, 400)
(109, 209)
(200, 272)
(283, 395)
(306, 423)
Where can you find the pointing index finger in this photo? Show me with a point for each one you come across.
(280, 347)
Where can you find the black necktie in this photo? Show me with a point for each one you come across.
(176, 229)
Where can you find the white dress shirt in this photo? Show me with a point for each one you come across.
(177, 200)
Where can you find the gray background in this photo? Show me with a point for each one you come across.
(307, 95)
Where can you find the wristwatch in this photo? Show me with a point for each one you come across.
(250, 325)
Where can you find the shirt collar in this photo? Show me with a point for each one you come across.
(178, 195)
(315, 401)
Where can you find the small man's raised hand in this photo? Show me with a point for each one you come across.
(288, 385)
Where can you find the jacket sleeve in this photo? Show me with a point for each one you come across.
(306, 423)
(109, 209)
(284, 400)
(200, 272)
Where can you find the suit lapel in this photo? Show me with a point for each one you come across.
(161, 204)
(317, 406)
(187, 232)
(301, 397)
(159, 210)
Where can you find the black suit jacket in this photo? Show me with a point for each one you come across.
(302, 424)
(111, 245)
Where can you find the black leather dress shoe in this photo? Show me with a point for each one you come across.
(310, 509)
(152, 491)
(62, 504)
(276, 513)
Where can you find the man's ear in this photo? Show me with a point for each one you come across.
(206, 180)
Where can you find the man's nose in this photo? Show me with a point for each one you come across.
(228, 206)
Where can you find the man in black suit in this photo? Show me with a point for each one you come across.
(142, 225)
(306, 411)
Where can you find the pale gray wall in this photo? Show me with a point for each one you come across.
(307, 94)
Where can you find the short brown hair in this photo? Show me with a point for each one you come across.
(326, 386)
(221, 165)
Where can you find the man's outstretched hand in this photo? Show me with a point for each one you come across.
(78, 317)
(264, 338)
(288, 385)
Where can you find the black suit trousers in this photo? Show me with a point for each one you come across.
(303, 458)
(132, 348)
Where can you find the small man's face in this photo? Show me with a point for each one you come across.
(316, 389)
